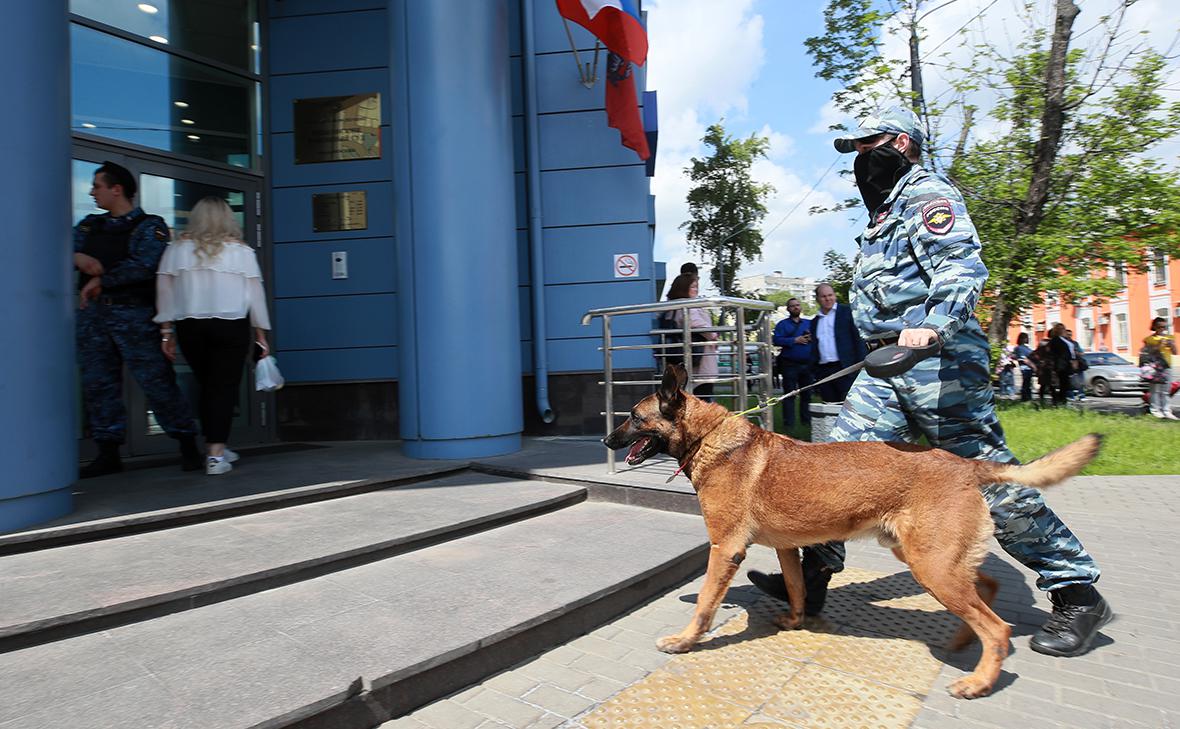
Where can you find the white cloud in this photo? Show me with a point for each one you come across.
(699, 82)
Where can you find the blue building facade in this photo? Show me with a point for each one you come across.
(429, 258)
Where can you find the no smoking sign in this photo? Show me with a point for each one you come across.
(626, 265)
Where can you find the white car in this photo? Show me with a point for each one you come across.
(1109, 373)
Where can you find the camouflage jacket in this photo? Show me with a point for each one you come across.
(919, 263)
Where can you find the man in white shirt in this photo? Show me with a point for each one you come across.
(836, 344)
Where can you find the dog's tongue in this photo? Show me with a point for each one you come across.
(637, 446)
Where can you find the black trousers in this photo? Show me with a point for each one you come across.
(1026, 378)
(216, 351)
(836, 390)
(796, 375)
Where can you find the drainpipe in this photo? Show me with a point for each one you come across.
(536, 244)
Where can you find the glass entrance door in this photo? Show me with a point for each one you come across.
(170, 191)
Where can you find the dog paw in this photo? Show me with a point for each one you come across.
(674, 644)
(970, 687)
(787, 621)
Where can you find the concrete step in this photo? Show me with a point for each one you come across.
(168, 503)
(55, 593)
(359, 646)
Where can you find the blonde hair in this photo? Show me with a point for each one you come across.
(210, 224)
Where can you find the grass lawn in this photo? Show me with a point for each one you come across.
(1134, 444)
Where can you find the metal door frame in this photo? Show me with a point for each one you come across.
(257, 406)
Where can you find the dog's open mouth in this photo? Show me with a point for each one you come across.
(642, 449)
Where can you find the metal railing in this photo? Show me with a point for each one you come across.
(750, 366)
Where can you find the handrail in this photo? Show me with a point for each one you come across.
(758, 381)
(698, 303)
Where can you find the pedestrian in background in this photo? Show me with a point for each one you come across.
(209, 295)
(1077, 380)
(116, 254)
(1023, 355)
(1165, 346)
(1006, 371)
(704, 352)
(793, 335)
(835, 344)
(1061, 357)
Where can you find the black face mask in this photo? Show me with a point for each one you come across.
(877, 171)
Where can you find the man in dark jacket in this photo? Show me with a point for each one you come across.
(116, 254)
(793, 334)
(834, 344)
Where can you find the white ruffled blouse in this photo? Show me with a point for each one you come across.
(226, 287)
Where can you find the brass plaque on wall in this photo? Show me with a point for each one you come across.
(334, 211)
(338, 128)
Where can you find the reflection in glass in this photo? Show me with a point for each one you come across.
(222, 30)
(82, 178)
(136, 94)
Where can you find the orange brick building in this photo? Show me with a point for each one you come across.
(1119, 324)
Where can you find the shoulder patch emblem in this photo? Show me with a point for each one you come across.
(881, 217)
(938, 216)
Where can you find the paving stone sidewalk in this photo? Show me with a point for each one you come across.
(614, 676)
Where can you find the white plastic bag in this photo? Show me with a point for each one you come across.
(267, 377)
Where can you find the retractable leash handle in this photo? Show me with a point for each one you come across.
(894, 359)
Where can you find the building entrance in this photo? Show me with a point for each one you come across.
(170, 189)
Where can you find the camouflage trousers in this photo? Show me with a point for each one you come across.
(108, 337)
(949, 401)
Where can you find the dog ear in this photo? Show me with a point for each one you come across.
(670, 395)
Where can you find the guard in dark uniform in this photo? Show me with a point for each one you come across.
(116, 254)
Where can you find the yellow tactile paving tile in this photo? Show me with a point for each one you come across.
(822, 698)
(903, 664)
(865, 664)
(661, 701)
(745, 673)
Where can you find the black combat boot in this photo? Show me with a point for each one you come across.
(1079, 612)
(108, 461)
(190, 456)
(815, 583)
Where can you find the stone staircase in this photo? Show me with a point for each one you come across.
(333, 609)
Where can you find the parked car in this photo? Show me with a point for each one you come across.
(1109, 373)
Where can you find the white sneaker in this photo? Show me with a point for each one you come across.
(214, 467)
(1158, 414)
(231, 456)
(1170, 415)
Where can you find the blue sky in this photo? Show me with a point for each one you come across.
(744, 60)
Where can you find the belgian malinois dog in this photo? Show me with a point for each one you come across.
(757, 487)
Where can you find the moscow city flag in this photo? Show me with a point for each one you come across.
(614, 22)
(622, 105)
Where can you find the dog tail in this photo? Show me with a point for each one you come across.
(1052, 468)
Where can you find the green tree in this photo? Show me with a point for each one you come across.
(780, 298)
(839, 273)
(725, 204)
(1065, 184)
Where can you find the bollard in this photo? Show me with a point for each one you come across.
(823, 417)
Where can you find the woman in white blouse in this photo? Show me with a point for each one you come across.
(209, 284)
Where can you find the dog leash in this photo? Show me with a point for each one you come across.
(888, 361)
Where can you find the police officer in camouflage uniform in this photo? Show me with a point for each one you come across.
(917, 279)
(116, 254)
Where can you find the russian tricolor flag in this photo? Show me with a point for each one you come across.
(614, 22)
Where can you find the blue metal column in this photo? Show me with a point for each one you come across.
(459, 312)
(38, 391)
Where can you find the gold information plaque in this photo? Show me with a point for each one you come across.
(338, 128)
(335, 211)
